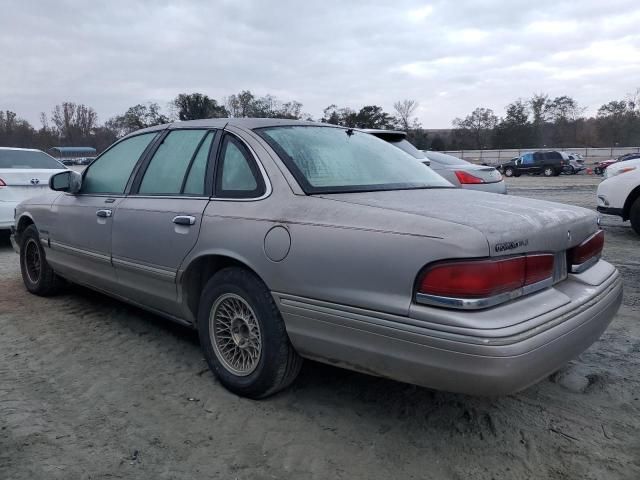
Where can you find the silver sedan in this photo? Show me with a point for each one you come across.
(459, 172)
(280, 240)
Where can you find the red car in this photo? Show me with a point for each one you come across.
(602, 166)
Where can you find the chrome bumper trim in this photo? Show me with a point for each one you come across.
(479, 303)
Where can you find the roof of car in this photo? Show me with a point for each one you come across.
(248, 123)
(24, 149)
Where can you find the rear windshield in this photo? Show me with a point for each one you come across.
(336, 160)
(28, 159)
(445, 159)
(408, 147)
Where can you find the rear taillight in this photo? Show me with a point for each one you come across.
(466, 178)
(2, 184)
(587, 253)
(483, 283)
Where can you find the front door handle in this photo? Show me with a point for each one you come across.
(104, 213)
(184, 220)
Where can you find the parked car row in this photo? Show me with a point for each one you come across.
(279, 240)
(77, 161)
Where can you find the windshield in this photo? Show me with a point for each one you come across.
(329, 159)
(28, 159)
(444, 159)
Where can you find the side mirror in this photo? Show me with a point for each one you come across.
(68, 181)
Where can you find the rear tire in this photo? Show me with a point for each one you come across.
(37, 274)
(634, 216)
(597, 171)
(548, 172)
(243, 336)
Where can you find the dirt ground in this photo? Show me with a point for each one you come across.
(93, 388)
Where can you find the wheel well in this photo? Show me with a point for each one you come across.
(626, 210)
(23, 223)
(198, 274)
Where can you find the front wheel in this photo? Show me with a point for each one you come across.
(508, 172)
(634, 216)
(37, 274)
(243, 336)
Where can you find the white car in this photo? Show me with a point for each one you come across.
(619, 193)
(622, 167)
(24, 173)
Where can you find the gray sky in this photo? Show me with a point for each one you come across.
(451, 56)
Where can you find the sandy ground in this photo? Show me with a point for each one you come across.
(92, 388)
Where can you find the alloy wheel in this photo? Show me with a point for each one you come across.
(235, 334)
(33, 261)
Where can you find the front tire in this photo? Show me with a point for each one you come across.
(243, 336)
(508, 172)
(634, 216)
(37, 274)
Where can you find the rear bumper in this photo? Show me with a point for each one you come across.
(7, 211)
(495, 187)
(610, 211)
(466, 360)
(14, 241)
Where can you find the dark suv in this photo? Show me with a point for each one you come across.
(546, 163)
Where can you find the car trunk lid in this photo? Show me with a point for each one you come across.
(24, 183)
(487, 174)
(510, 224)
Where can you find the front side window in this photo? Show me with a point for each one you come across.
(110, 173)
(329, 159)
(237, 175)
(527, 158)
(168, 167)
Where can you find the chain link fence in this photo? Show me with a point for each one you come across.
(493, 157)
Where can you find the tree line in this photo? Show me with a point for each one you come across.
(542, 121)
(535, 122)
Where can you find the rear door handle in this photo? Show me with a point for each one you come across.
(105, 213)
(184, 220)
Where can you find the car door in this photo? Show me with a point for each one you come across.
(526, 163)
(156, 226)
(538, 163)
(81, 227)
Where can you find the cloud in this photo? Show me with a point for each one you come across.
(450, 56)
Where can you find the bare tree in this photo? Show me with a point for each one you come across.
(479, 125)
(405, 109)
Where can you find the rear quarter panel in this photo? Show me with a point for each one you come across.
(339, 252)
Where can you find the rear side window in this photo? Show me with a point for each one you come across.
(169, 165)
(110, 173)
(552, 156)
(237, 174)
